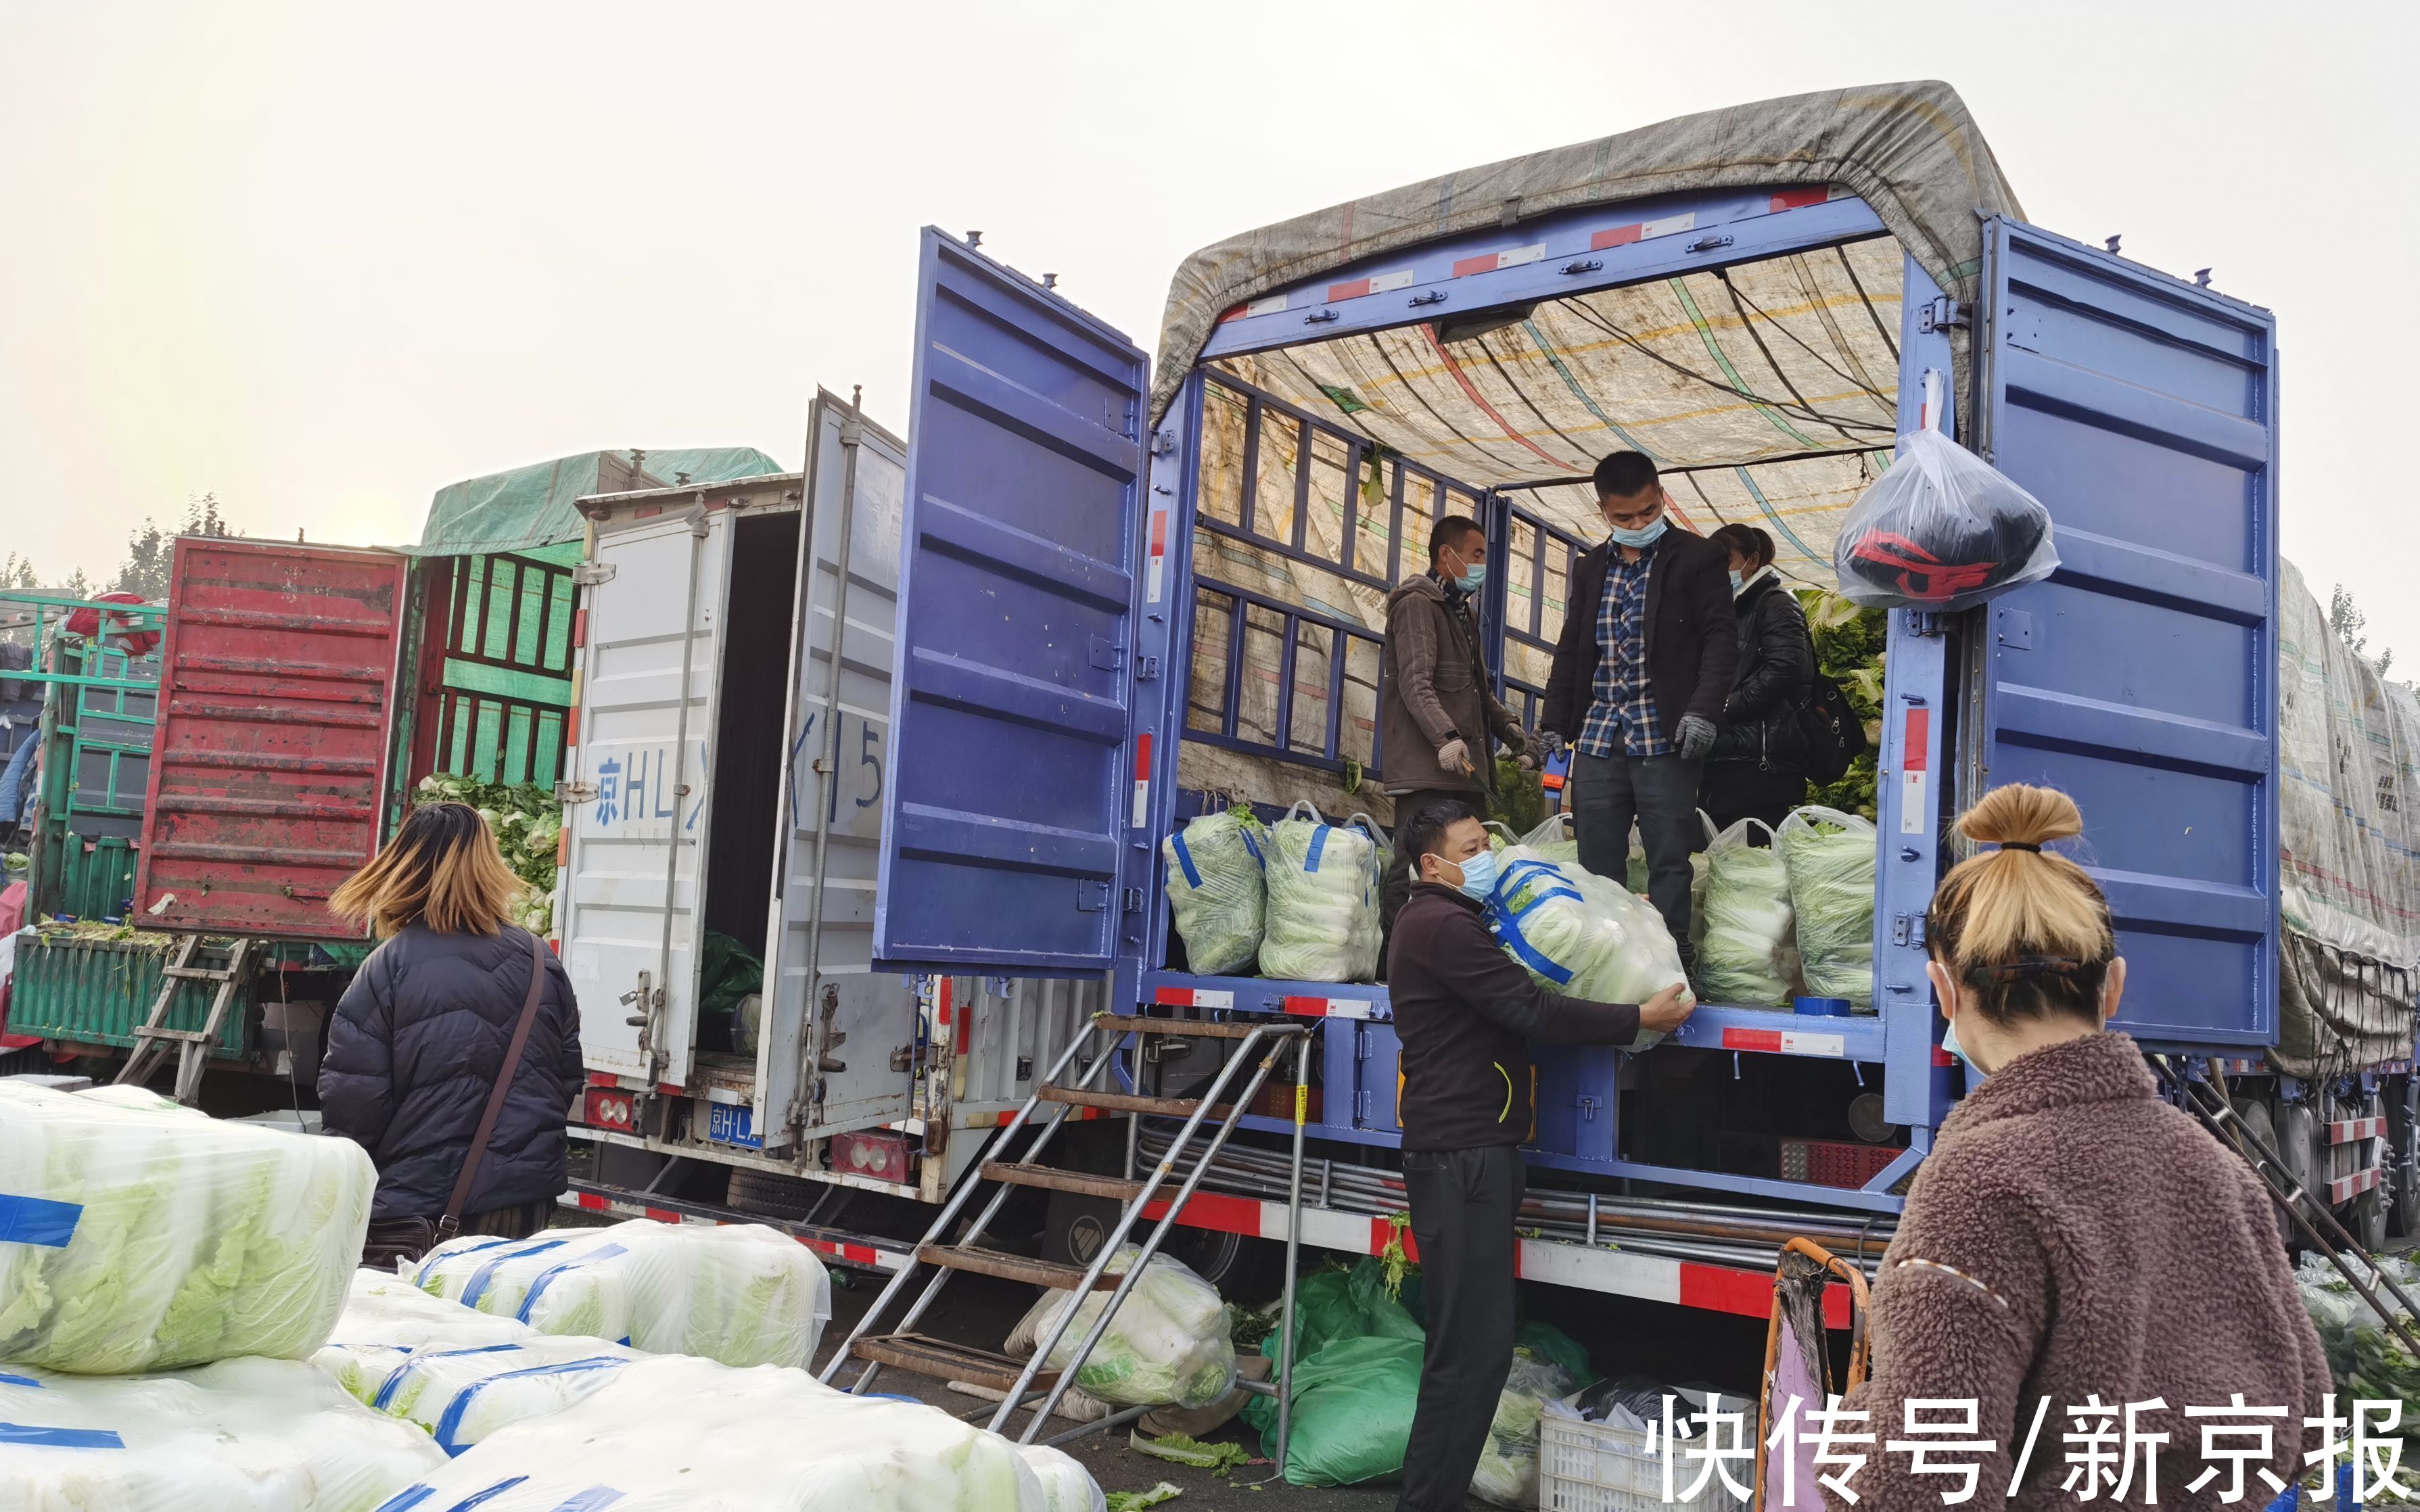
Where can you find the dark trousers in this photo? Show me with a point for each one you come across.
(1398, 884)
(1464, 1205)
(1660, 794)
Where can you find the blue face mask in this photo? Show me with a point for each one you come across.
(1479, 876)
(1471, 578)
(1950, 1039)
(1641, 538)
(1738, 583)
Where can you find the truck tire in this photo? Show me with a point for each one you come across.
(2365, 1218)
(771, 1194)
(2299, 1147)
(2403, 1202)
(2263, 1128)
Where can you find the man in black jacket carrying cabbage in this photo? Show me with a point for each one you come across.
(1465, 1014)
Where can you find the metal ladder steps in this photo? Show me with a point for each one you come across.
(1116, 1188)
(1191, 1029)
(944, 1361)
(980, 1262)
(1168, 1107)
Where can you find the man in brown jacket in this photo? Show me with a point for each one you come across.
(1438, 718)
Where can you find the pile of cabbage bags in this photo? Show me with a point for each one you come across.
(1581, 934)
(1171, 1341)
(1829, 856)
(1322, 923)
(675, 1432)
(742, 1294)
(386, 1318)
(1743, 952)
(462, 1395)
(144, 1236)
(246, 1435)
(1217, 889)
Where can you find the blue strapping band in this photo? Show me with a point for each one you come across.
(385, 1396)
(1251, 844)
(476, 1497)
(42, 1438)
(486, 1272)
(1318, 844)
(1184, 861)
(8, 1380)
(1527, 955)
(420, 1272)
(546, 1277)
(589, 1500)
(37, 1221)
(450, 1421)
(405, 1500)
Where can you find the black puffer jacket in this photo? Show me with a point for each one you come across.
(412, 1053)
(1761, 749)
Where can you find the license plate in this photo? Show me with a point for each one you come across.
(728, 1123)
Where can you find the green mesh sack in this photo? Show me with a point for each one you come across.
(1829, 856)
(1746, 918)
(1216, 890)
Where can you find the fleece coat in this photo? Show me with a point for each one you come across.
(2073, 1234)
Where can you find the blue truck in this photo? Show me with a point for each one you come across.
(1128, 592)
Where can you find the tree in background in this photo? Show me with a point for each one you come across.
(16, 572)
(2350, 624)
(151, 551)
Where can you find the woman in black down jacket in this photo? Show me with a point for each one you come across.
(1758, 767)
(418, 1038)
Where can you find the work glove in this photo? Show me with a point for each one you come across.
(1455, 756)
(1538, 749)
(1697, 735)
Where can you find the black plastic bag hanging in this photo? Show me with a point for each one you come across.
(1943, 530)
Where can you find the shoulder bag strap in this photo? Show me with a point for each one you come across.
(451, 1224)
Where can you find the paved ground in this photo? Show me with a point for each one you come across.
(980, 1310)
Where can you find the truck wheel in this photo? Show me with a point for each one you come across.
(2299, 1147)
(2403, 1203)
(2365, 1218)
(2262, 1127)
(771, 1194)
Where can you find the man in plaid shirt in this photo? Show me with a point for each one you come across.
(1648, 647)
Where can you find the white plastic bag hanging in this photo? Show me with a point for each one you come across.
(1742, 959)
(1323, 908)
(1581, 934)
(1557, 839)
(1941, 530)
(1829, 856)
(1218, 890)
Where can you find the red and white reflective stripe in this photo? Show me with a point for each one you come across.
(1156, 576)
(1786, 1041)
(1685, 1283)
(2344, 1189)
(1192, 997)
(1791, 199)
(1488, 262)
(1915, 790)
(1357, 289)
(603, 1078)
(865, 1254)
(2346, 1131)
(1269, 304)
(1622, 236)
(1329, 1008)
(1142, 779)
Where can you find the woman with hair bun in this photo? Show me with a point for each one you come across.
(2070, 1235)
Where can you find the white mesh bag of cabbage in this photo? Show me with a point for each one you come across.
(1171, 1341)
(240, 1436)
(1323, 904)
(742, 1293)
(1216, 890)
(683, 1433)
(1830, 858)
(1743, 956)
(1582, 936)
(386, 1318)
(138, 1235)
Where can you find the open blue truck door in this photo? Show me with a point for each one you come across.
(1011, 716)
(2143, 412)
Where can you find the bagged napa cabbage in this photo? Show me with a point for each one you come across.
(1217, 889)
(1829, 856)
(386, 1318)
(675, 1432)
(1171, 1341)
(1744, 954)
(462, 1396)
(1507, 1475)
(739, 1293)
(1067, 1485)
(1557, 840)
(1581, 934)
(149, 1237)
(1323, 901)
(247, 1435)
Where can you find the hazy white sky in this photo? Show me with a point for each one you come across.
(323, 258)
